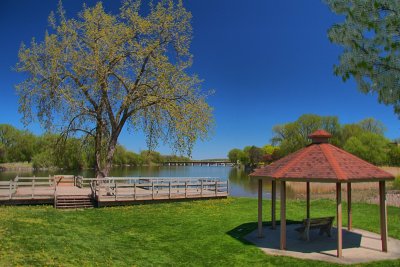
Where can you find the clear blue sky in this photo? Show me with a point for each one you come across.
(268, 61)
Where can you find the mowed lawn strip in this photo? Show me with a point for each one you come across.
(199, 233)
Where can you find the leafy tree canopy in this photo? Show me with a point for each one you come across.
(234, 155)
(370, 37)
(369, 146)
(294, 135)
(98, 72)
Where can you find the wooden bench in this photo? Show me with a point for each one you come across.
(323, 224)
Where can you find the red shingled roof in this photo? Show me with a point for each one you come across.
(322, 162)
(320, 133)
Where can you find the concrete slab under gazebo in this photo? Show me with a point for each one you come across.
(323, 163)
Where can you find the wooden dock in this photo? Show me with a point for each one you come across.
(69, 191)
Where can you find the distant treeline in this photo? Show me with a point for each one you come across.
(49, 150)
(364, 139)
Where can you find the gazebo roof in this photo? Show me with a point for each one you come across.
(322, 162)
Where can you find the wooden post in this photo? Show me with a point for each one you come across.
(383, 217)
(169, 189)
(339, 218)
(260, 230)
(201, 190)
(115, 191)
(283, 216)
(152, 189)
(134, 190)
(186, 189)
(308, 199)
(10, 192)
(33, 186)
(349, 214)
(216, 186)
(273, 204)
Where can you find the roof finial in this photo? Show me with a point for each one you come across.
(320, 136)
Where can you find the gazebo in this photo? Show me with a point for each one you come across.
(323, 163)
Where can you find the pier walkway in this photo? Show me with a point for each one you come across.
(108, 191)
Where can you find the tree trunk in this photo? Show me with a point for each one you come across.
(97, 148)
(104, 170)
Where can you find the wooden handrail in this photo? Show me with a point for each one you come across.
(121, 188)
(128, 187)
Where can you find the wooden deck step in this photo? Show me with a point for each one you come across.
(74, 202)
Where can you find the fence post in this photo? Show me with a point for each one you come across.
(201, 190)
(152, 189)
(115, 190)
(186, 189)
(33, 186)
(134, 191)
(10, 193)
(216, 186)
(169, 190)
(227, 187)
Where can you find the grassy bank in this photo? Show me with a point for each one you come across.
(206, 233)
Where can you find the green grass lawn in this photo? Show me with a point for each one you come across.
(200, 233)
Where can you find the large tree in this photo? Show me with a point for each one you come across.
(99, 72)
(369, 146)
(370, 36)
(294, 135)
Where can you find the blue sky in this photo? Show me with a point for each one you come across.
(268, 61)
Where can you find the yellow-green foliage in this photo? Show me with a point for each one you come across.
(101, 71)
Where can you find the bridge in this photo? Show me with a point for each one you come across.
(199, 163)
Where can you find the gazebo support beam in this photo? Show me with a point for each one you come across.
(383, 213)
(283, 216)
(308, 199)
(349, 214)
(273, 204)
(260, 230)
(339, 218)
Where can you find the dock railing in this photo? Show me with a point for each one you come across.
(149, 188)
(83, 182)
(116, 188)
(28, 188)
